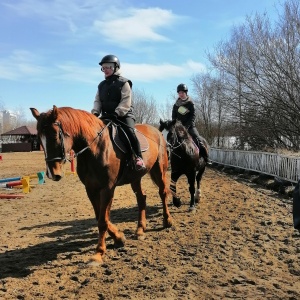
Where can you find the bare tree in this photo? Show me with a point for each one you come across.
(209, 105)
(261, 68)
(165, 110)
(144, 107)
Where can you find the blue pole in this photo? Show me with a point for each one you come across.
(10, 179)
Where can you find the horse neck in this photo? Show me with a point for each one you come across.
(90, 135)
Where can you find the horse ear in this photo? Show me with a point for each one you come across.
(54, 112)
(35, 113)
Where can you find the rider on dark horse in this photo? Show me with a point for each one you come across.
(184, 111)
(113, 101)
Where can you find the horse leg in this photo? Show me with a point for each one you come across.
(174, 177)
(191, 180)
(94, 196)
(141, 201)
(158, 175)
(113, 231)
(198, 181)
(104, 224)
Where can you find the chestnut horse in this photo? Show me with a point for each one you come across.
(101, 165)
(185, 160)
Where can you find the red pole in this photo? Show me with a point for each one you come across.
(13, 183)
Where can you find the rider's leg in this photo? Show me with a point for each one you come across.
(128, 127)
(202, 149)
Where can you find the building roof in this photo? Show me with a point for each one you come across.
(23, 130)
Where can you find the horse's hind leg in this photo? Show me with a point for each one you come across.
(191, 181)
(159, 178)
(141, 201)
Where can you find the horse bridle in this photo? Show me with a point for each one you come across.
(62, 145)
(61, 135)
(172, 147)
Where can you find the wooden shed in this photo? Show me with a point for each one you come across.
(21, 139)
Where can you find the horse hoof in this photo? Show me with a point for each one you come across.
(168, 223)
(176, 202)
(192, 208)
(140, 233)
(96, 260)
(119, 243)
(94, 264)
(141, 237)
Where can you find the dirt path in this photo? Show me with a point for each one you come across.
(240, 243)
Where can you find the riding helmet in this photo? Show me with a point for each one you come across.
(182, 87)
(110, 59)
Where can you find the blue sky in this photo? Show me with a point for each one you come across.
(50, 49)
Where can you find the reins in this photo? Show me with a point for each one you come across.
(62, 144)
(99, 134)
(172, 147)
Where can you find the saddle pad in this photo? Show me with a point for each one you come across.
(124, 148)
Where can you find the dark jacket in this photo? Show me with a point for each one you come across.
(110, 94)
(114, 95)
(184, 111)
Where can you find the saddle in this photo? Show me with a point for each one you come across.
(118, 136)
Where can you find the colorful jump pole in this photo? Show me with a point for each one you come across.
(10, 179)
(13, 183)
(11, 196)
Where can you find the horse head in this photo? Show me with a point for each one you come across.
(173, 131)
(53, 140)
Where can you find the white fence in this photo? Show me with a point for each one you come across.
(284, 167)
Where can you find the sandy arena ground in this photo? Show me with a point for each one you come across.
(240, 243)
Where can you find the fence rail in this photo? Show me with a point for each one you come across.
(283, 167)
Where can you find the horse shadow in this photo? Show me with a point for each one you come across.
(75, 237)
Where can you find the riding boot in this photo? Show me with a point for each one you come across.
(203, 151)
(139, 163)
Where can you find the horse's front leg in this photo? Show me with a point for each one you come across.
(141, 201)
(174, 177)
(104, 225)
(191, 180)
(198, 182)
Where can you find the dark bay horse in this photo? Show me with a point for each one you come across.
(185, 160)
(101, 166)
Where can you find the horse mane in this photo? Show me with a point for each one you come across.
(185, 138)
(182, 132)
(73, 120)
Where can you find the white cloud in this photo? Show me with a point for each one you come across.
(148, 72)
(72, 13)
(194, 66)
(134, 25)
(71, 71)
(21, 64)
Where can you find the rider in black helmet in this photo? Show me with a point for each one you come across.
(114, 100)
(184, 111)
